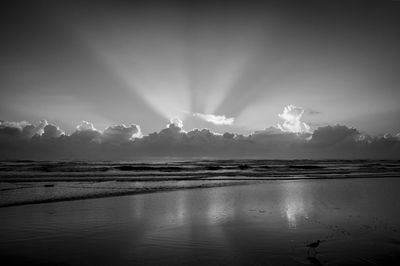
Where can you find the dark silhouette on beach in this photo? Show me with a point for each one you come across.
(313, 246)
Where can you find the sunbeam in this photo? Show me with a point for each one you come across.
(158, 77)
(190, 72)
(154, 71)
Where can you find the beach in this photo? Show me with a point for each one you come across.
(264, 223)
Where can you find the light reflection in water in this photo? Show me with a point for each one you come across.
(173, 213)
(137, 208)
(294, 207)
(181, 208)
(219, 208)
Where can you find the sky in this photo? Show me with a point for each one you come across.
(228, 66)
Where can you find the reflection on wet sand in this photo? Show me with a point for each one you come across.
(293, 203)
(239, 225)
(314, 261)
(220, 207)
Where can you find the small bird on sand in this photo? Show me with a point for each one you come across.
(313, 245)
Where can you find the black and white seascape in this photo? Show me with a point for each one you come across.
(199, 132)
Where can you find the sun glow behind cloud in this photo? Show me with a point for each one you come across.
(166, 89)
(176, 122)
(215, 119)
(187, 72)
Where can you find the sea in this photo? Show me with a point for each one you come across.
(173, 169)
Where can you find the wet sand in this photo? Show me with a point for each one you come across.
(269, 223)
(21, 193)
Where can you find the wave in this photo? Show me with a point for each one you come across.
(199, 169)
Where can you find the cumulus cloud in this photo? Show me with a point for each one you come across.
(272, 130)
(175, 122)
(30, 130)
(52, 131)
(10, 129)
(172, 133)
(215, 119)
(121, 133)
(22, 129)
(329, 135)
(47, 141)
(8, 124)
(117, 134)
(86, 126)
(201, 136)
(292, 123)
(86, 132)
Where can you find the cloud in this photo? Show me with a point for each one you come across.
(8, 124)
(11, 129)
(176, 122)
(215, 119)
(121, 133)
(272, 130)
(30, 130)
(291, 115)
(85, 125)
(121, 142)
(330, 135)
(52, 131)
(22, 129)
(86, 132)
(117, 134)
(201, 136)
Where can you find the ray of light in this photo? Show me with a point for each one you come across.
(175, 72)
(165, 90)
(147, 55)
(212, 80)
(218, 56)
(158, 76)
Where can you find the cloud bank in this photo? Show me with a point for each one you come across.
(45, 141)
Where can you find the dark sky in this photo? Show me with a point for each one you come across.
(147, 62)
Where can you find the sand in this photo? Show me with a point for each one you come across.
(269, 223)
(34, 192)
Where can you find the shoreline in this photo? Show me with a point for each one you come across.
(122, 193)
(97, 189)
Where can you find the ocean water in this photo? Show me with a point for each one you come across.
(17, 171)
